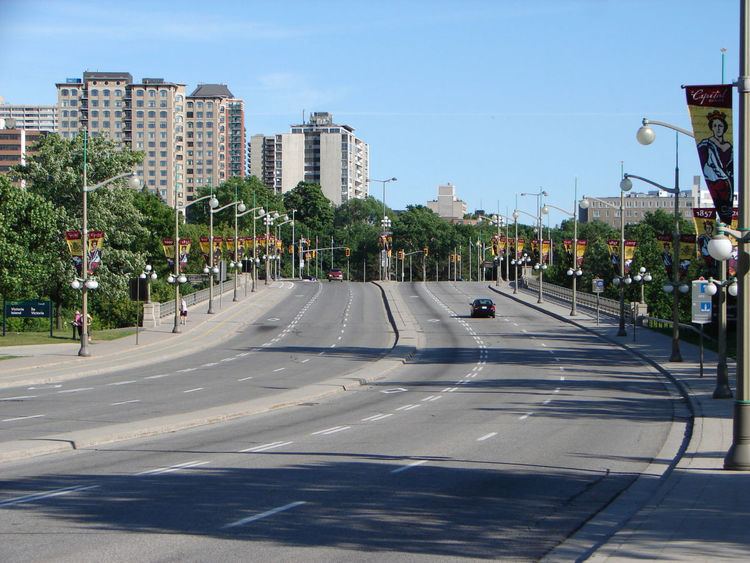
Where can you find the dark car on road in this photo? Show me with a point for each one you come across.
(482, 308)
(335, 274)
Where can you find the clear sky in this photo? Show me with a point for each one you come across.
(496, 97)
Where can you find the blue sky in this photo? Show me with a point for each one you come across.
(496, 97)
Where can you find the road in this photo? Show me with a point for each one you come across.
(497, 440)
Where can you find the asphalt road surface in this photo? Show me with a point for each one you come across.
(497, 440)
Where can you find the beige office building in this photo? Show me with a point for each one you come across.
(447, 205)
(318, 151)
(187, 141)
(215, 137)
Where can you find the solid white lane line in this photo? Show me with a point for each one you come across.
(242, 354)
(76, 390)
(18, 398)
(245, 378)
(191, 390)
(172, 468)
(210, 365)
(305, 361)
(122, 382)
(266, 447)
(524, 417)
(405, 467)
(125, 402)
(160, 375)
(265, 514)
(325, 431)
(50, 494)
(226, 359)
(188, 370)
(486, 436)
(22, 417)
(279, 369)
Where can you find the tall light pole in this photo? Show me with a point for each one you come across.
(516, 214)
(585, 204)
(627, 184)
(285, 220)
(177, 277)
(268, 219)
(646, 136)
(212, 268)
(85, 282)
(385, 257)
(239, 214)
(541, 266)
(574, 271)
(720, 248)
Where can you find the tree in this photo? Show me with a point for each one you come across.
(311, 207)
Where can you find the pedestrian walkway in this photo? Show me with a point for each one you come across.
(53, 363)
(687, 508)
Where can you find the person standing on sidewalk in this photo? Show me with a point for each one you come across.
(183, 312)
(78, 324)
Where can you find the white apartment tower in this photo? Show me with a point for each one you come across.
(317, 151)
(28, 117)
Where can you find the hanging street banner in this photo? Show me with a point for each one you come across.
(711, 114)
(167, 245)
(667, 255)
(185, 244)
(230, 245)
(75, 246)
(546, 246)
(630, 246)
(218, 244)
(241, 247)
(580, 250)
(614, 253)
(687, 252)
(205, 248)
(519, 250)
(703, 220)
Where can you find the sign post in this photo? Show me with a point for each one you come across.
(701, 309)
(597, 287)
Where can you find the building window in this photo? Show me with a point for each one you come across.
(139, 93)
(94, 92)
(152, 93)
(105, 93)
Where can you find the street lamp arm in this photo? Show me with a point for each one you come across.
(656, 185)
(226, 206)
(607, 203)
(721, 229)
(647, 121)
(249, 211)
(196, 201)
(558, 208)
(110, 180)
(525, 213)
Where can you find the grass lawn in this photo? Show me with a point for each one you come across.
(60, 337)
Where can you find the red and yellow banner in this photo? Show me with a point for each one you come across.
(185, 244)
(711, 114)
(95, 246)
(614, 253)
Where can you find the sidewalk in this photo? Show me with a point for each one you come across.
(53, 363)
(685, 507)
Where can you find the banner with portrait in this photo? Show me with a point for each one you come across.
(241, 247)
(229, 242)
(218, 248)
(580, 251)
(546, 248)
(519, 249)
(75, 246)
(667, 254)
(205, 245)
(95, 247)
(687, 253)
(185, 244)
(167, 246)
(613, 246)
(711, 115)
(630, 246)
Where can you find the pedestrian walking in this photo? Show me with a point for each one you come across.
(183, 312)
(78, 324)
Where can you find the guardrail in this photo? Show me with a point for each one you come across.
(166, 309)
(586, 300)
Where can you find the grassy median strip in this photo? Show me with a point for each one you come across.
(59, 337)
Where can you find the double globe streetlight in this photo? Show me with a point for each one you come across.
(574, 272)
(85, 283)
(255, 259)
(585, 204)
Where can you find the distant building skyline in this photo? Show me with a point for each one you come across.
(447, 205)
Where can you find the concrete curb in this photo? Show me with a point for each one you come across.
(57, 443)
(602, 526)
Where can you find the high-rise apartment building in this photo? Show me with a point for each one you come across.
(187, 141)
(215, 137)
(317, 151)
(36, 118)
(16, 144)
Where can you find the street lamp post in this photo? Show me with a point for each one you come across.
(515, 252)
(646, 136)
(574, 272)
(255, 256)
(541, 266)
(268, 219)
(585, 203)
(85, 282)
(285, 220)
(385, 257)
(213, 268)
(385, 224)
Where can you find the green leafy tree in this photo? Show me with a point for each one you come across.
(311, 207)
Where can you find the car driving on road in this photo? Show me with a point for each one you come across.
(482, 308)
(335, 274)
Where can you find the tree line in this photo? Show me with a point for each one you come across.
(35, 261)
